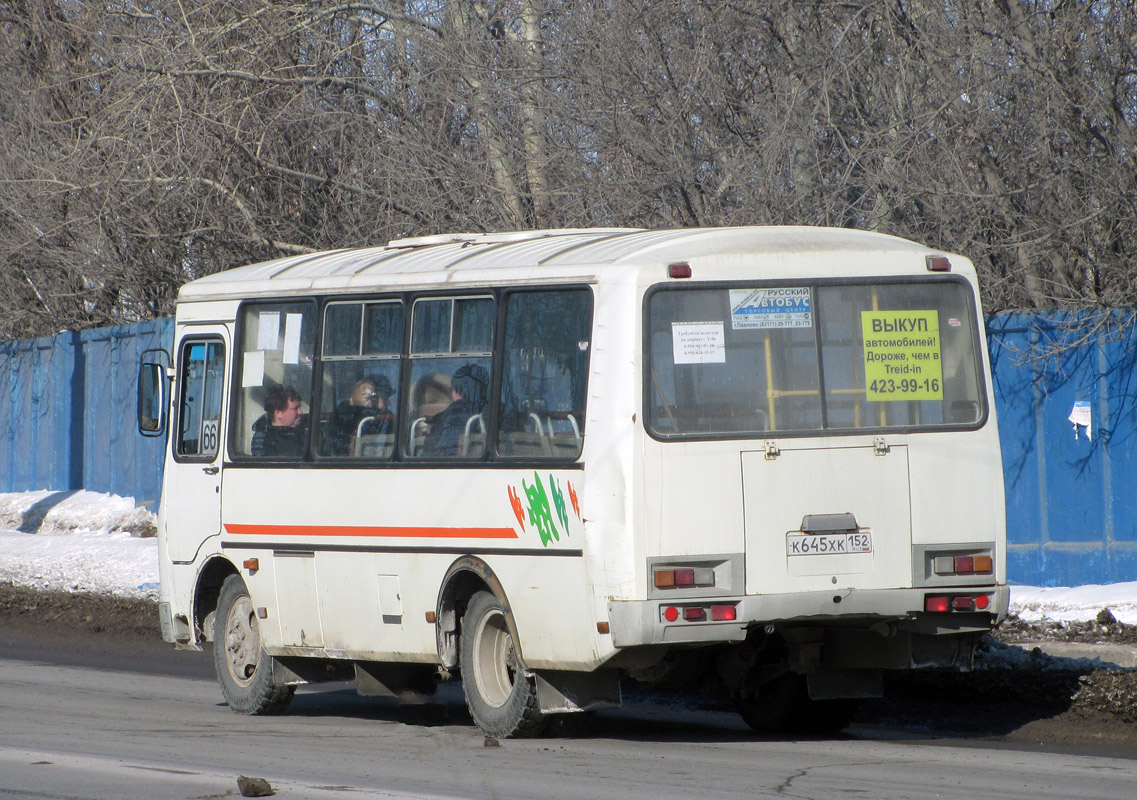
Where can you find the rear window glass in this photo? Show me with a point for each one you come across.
(747, 360)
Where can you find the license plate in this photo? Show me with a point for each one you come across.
(828, 544)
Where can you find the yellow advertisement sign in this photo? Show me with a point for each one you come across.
(902, 355)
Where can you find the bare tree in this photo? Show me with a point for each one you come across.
(148, 143)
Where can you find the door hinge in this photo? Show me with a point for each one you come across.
(880, 446)
(772, 450)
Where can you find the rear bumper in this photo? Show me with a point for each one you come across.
(641, 622)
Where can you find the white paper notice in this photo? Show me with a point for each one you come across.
(253, 370)
(698, 342)
(1082, 416)
(268, 330)
(292, 324)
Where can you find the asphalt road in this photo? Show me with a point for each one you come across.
(95, 725)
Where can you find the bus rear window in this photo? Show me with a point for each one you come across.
(742, 361)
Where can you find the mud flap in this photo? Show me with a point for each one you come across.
(560, 691)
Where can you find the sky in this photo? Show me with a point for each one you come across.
(83, 543)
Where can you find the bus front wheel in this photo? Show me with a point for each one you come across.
(243, 669)
(502, 699)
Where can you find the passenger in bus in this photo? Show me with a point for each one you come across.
(283, 429)
(369, 400)
(469, 388)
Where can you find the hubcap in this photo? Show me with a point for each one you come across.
(242, 641)
(495, 661)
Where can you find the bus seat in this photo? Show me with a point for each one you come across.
(473, 444)
(374, 445)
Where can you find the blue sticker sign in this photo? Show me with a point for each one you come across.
(780, 307)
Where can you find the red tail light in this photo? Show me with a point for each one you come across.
(963, 565)
(937, 604)
(684, 577)
(941, 604)
(723, 613)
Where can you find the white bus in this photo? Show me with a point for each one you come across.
(551, 462)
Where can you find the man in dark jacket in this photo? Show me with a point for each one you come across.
(283, 430)
(468, 390)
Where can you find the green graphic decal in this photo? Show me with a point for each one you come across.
(559, 503)
(540, 514)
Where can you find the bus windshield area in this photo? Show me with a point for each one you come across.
(733, 361)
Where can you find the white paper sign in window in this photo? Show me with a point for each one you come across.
(253, 371)
(292, 323)
(698, 342)
(771, 307)
(268, 330)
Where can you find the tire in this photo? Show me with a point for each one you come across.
(243, 669)
(784, 706)
(502, 699)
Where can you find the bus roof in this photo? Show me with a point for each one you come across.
(568, 253)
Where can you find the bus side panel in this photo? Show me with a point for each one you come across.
(359, 556)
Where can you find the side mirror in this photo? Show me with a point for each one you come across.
(152, 401)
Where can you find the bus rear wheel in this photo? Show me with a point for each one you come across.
(243, 669)
(502, 699)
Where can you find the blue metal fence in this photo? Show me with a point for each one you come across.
(67, 406)
(67, 412)
(1071, 488)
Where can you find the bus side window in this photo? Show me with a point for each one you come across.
(275, 352)
(544, 373)
(360, 388)
(451, 348)
(199, 404)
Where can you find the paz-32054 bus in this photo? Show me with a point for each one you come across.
(550, 462)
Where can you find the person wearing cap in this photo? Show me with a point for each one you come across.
(469, 389)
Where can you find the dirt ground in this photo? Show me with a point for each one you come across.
(1020, 696)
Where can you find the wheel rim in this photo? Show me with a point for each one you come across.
(495, 660)
(242, 641)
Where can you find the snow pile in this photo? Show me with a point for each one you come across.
(98, 563)
(995, 655)
(1075, 603)
(78, 542)
(74, 512)
(92, 542)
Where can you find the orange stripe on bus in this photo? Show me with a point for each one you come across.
(368, 530)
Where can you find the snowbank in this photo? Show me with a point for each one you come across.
(78, 542)
(1075, 603)
(74, 512)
